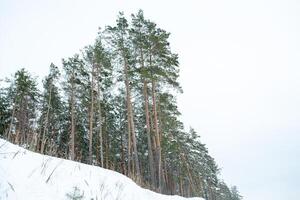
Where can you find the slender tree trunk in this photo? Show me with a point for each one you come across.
(180, 185)
(129, 144)
(91, 119)
(132, 128)
(157, 137)
(205, 189)
(210, 192)
(190, 177)
(151, 162)
(106, 150)
(20, 123)
(46, 121)
(134, 144)
(146, 101)
(33, 143)
(164, 173)
(100, 116)
(72, 152)
(26, 123)
(200, 185)
(11, 122)
(107, 161)
(153, 136)
(123, 170)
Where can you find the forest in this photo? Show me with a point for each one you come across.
(113, 105)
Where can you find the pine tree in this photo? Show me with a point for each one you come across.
(103, 73)
(162, 67)
(140, 42)
(4, 112)
(91, 62)
(121, 43)
(223, 192)
(73, 68)
(23, 97)
(51, 109)
(235, 195)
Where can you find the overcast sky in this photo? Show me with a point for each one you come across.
(240, 71)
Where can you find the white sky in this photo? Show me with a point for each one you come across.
(240, 71)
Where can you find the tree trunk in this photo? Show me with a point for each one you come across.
(129, 145)
(190, 177)
(157, 137)
(72, 152)
(131, 121)
(123, 169)
(146, 101)
(46, 122)
(20, 126)
(200, 185)
(165, 173)
(11, 123)
(180, 186)
(151, 162)
(91, 119)
(107, 143)
(100, 117)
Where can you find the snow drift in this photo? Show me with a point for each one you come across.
(28, 175)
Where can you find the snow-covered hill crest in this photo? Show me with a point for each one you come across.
(28, 175)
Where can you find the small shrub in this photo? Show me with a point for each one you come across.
(75, 194)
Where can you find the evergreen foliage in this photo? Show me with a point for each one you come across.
(114, 105)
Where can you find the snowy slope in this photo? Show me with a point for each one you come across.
(25, 175)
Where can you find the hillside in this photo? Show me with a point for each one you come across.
(28, 175)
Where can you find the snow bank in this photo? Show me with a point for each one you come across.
(25, 175)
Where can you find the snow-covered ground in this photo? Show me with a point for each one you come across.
(25, 175)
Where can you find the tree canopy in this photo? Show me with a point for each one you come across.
(114, 105)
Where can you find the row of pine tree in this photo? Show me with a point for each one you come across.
(114, 105)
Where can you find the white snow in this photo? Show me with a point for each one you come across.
(25, 175)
